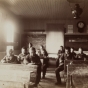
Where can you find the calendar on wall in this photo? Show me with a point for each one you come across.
(70, 29)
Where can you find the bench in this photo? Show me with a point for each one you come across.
(77, 76)
(17, 75)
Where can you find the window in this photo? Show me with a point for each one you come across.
(9, 29)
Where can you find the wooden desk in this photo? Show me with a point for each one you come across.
(77, 76)
(68, 62)
(16, 75)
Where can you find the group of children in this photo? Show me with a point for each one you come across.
(32, 56)
(67, 54)
(29, 56)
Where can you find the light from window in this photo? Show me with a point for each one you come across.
(9, 29)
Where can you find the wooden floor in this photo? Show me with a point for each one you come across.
(49, 81)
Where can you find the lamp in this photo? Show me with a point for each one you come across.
(76, 10)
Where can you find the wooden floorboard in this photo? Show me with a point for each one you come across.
(49, 81)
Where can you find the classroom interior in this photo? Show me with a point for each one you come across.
(51, 23)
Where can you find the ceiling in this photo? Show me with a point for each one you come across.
(44, 9)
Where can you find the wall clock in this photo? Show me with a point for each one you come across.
(81, 26)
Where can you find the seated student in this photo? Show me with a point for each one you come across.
(44, 56)
(61, 49)
(59, 67)
(38, 52)
(23, 58)
(29, 46)
(9, 58)
(42, 49)
(73, 54)
(80, 55)
(35, 59)
(67, 55)
(45, 63)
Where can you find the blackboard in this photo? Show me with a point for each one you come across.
(35, 39)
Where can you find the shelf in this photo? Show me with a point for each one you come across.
(76, 33)
(79, 41)
(76, 40)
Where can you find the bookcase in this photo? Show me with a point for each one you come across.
(76, 40)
